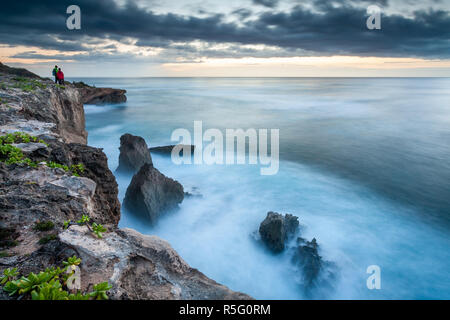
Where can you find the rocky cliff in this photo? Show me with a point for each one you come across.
(92, 95)
(49, 176)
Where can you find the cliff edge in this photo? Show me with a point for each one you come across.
(49, 176)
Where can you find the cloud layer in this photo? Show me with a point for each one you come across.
(318, 28)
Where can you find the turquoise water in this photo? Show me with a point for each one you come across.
(364, 164)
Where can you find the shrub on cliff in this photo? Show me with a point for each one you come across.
(50, 284)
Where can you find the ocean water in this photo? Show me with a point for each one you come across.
(364, 164)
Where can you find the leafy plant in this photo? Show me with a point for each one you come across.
(72, 261)
(84, 219)
(4, 254)
(79, 296)
(48, 284)
(75, 169)
(98, 230)
(51, 290)
(44, 226)
(8, 275)
(66, 224)
(99, 292)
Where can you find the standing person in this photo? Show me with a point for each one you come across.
(55, 71)
(60, 77)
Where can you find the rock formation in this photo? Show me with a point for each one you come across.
(276, 228)
(98, 96)
(133, 154)
(151, 194)
(275, 231)
(141, 267)
(167, 150)
(137, 267)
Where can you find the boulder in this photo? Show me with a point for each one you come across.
(276, 228)
(150, 194)
(133, 154)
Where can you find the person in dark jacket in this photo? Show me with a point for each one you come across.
(55, 71)
(60, 77)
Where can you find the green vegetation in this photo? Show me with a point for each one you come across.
(66, 224)
(72, 261)
(47, 239)
(50, 284)
(7, 238)
(27, 84)
(84, 219)
(44, 226)
(75, 169)
(60, 87)
(4, 254)
(8, 275)
(97, 229)
(13, 155)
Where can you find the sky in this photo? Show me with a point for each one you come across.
(233, 38)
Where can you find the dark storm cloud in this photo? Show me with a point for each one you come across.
(327, 30)
(266, 3)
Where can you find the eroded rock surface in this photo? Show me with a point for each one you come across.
(151, 194)
(276, 228)
(133, 154)
(140, 267)
(98, 96)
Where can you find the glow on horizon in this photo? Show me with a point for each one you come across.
(304, 66)
(309, 66)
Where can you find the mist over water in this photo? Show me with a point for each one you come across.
(364, 164)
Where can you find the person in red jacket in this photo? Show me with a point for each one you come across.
(60, 77)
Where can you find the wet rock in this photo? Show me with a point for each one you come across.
(192, 192)
(167, 150)
(150, 194)
(315, 272)
(309, 261)
(276, 228)
(133, 154)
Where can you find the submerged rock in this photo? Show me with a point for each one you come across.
(276, 228)
(308, 259)
(133, 154)
(151, 194)
(315, 272)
